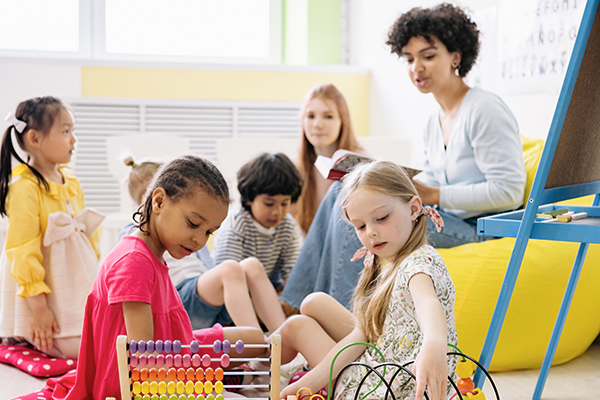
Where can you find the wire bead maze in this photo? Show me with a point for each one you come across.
(464, 388)
(150, 370)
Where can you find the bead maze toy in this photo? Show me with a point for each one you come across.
(464, 388)
(155, 370)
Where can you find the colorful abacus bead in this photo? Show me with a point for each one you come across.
(177, 346)
(476, 395)
(142, 360)
(133, 347)
(205, 360)
(168, 345)
(178, 360)
(220, 397)
(225, 360)
(226, 346)
(194, 346)
(208, 387)
(219, 374)
(209, 374)
(187, 361)
(169, 360)
(150, 346)
(219, 387)
(151, 360)
(239, 347)
(217, 346)
(190, 374)
(160, 360)
(196, 360)
(200, 374)
(134, 360)
(159, 346)
(199, 387)
(142, 346)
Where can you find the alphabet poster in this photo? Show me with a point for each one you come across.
(535, 41)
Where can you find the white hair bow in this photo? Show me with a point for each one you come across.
(17, 123)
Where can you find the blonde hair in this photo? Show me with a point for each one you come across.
(374, 288)
(306, 206)
(139, 177)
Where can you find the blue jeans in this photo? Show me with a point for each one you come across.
(323, 264)
(455, 232)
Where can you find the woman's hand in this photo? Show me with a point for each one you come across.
(43, 322)
(431, 369)
(429, 195)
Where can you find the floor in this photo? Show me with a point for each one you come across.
(577, 379)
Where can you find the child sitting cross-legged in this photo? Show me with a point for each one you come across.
(229, 293)
(262, 229)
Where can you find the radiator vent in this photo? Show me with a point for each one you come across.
(202, 123)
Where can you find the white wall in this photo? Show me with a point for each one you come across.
(397, 108)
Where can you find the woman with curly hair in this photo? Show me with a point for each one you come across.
(473, 152)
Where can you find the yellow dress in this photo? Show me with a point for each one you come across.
(51, 247)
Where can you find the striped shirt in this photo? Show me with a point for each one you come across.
(241, 237)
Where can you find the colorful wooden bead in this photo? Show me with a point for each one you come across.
(171, 387)
(145, 387)
(176, 346)
(181, 374)
(160, 360)
(150, 346)
(226, 346)
(163, 397)
(189, 387)
(169, 360)
(134, 360)
(133, 347)
(153, 387)
(162, 387)
(190, 374)
(205, 360)
(196, 360)
(194, 346)
(137, 388)
(151, 361)
(219, 387)
(152, 374)
(210, 397)
(159, 346)
(225, 360)
(143, 360)
(137, 397)
(464, 369)
(180, 387)
(217, 346)
(219, 374)
(200, 374)
(476, 395)
(172, 374)
(162, 374)
(144, 374)
(199, 387)
(187, 360)
(168, 345)
(173, 397)
(239, 346)
(200, 397)
(135, 374)
(177, 360)
(220, 397)
(209, 374)
(208, 387)
(142, 346)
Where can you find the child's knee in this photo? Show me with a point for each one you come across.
(312, 302)
(232, 270)
(253, 267)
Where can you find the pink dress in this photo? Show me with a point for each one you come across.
(130, 272)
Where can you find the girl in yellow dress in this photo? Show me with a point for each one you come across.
(51, 254)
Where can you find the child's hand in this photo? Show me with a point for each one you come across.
(304, 382)
(43, 323)
(431, 369)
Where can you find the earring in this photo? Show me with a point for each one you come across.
(456, 72)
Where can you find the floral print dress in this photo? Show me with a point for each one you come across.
(401, 339)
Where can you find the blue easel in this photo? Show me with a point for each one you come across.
(569, 168)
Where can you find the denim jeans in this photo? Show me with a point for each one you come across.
(455, 232)
(323, 264)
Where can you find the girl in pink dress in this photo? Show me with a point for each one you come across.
(133, 293)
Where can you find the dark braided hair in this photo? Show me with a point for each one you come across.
(181, 178)
(448, 23)
(38, 113)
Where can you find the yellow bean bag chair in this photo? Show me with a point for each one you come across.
(478, 270)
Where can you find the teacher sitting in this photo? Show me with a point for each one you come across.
(473, 152)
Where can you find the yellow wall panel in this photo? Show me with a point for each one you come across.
(225, 85)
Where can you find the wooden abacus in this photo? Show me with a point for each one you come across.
(149, 371)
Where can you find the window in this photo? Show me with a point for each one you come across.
(224, 31)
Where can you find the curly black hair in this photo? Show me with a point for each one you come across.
(448, 23)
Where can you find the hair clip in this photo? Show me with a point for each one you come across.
(363, 252)
(17, 123)
(435, 217)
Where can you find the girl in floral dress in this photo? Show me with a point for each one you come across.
(403, 303)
